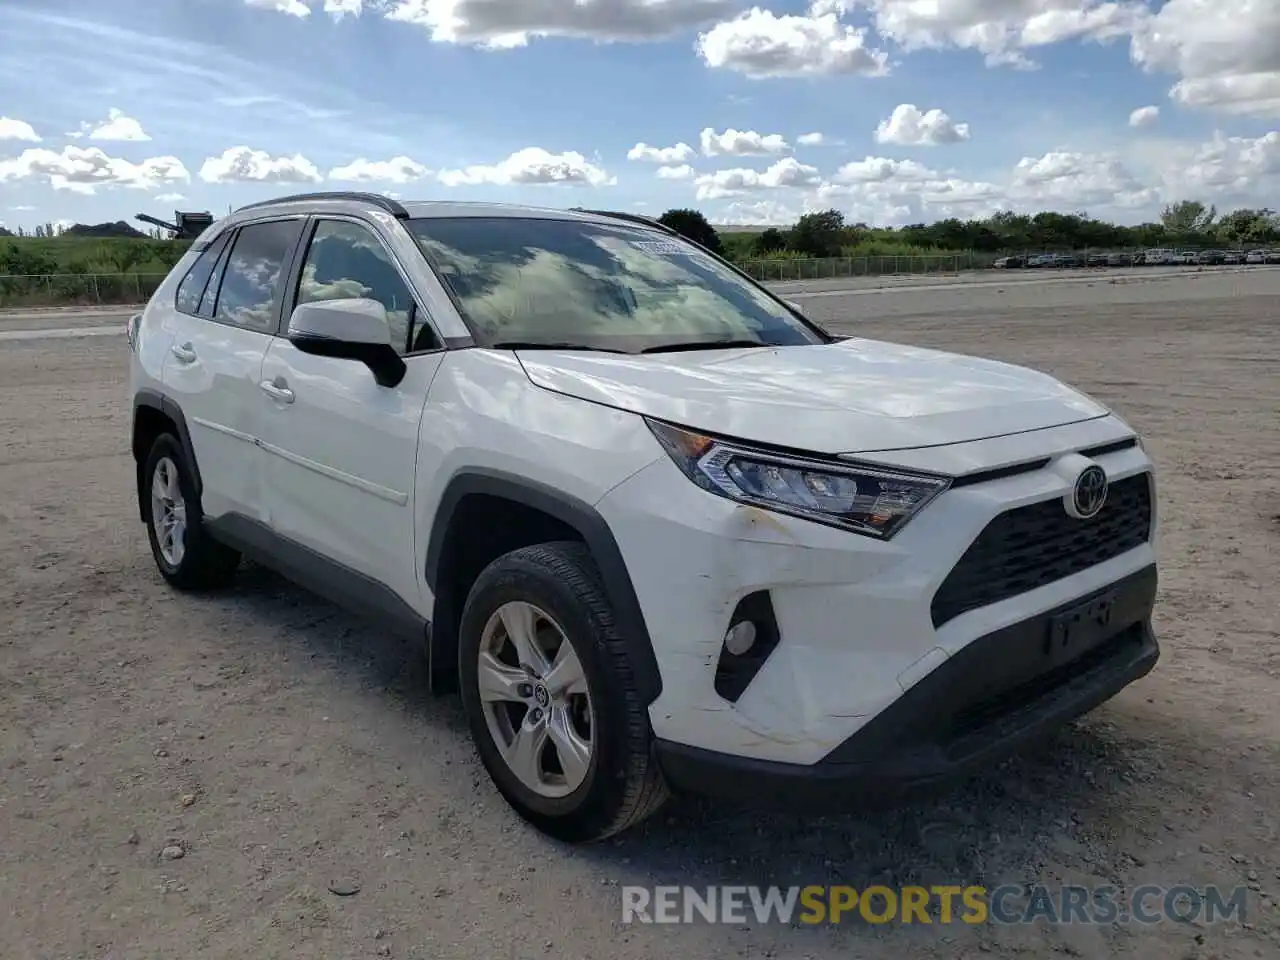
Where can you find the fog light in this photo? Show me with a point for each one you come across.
(740, 638)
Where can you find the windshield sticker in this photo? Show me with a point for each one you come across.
(665, 248)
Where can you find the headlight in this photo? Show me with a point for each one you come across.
(866, 500)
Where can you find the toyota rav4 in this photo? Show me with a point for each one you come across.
(661, 531)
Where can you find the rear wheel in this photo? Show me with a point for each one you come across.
(185, 554)
(551, 697)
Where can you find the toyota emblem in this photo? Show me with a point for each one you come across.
(1089, 493)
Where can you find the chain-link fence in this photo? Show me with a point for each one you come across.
(74, 289)
(834, 267)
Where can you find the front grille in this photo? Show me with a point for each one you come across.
(1031, 546)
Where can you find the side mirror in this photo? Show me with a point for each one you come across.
(354, 329)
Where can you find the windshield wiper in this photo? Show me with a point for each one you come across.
(704, 345)
(549, 345)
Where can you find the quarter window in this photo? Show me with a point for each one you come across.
(346, 261)
(193, 284)
(253, 280)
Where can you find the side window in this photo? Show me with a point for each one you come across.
(252, 282)
(345, 260)
(208, 301)
(193, 284)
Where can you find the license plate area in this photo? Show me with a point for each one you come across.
(1078, 629)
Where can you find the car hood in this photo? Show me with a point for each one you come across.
(852, 396)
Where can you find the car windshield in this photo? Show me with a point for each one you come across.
(580, 284)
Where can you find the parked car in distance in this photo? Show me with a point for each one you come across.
(1232, 256)
(1209, 258)
(1120, 260)
(1256, 256)
(1096, 260)
(1010, 263)
(662, 532)
(1272, 256)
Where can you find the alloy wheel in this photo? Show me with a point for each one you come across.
(536, 700)
(168, 512)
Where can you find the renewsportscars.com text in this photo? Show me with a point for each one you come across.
(1007, 904)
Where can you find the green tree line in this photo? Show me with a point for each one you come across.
(1189, 224)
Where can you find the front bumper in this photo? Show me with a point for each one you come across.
(1004, 690)
(855, 616)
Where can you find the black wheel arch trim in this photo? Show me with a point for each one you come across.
(156, 400)
(595, 532)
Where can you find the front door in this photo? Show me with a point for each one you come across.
(341, 451)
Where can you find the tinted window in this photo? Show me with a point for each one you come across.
(215, 281)
(193, 284)
(613, 286)
(345, 261)
(251, 284)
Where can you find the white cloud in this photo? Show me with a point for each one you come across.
(337, 9)
(1068, 180)
(532, 165)
(170, 197)
(1144, 116)
(1245, 169)
(1226, 52)
(11, 129)
(343, 8)
(295, 8)
(1002, 30)
(759, 43)
(395, 170)
(787, 172)
(811, 139)
(681, 172)
(117, 127)
(770, 213)
(680, 153)
(908, 126)
(84, 169)
(246, 165)
(502, 24)
(742, 143)
(882, 170)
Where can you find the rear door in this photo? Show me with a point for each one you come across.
(340, 450)
(214, 368)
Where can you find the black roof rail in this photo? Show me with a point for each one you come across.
(392, 207)
(632, 218)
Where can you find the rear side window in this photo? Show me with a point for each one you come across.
(253, 280)
(191, 289)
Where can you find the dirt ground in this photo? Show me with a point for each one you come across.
(283, 746)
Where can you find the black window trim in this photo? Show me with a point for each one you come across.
(285, 265)
(479, 339)
(420, 314)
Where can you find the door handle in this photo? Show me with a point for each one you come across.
(277, 391)
(184, 353)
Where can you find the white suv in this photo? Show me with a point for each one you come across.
(663, 531)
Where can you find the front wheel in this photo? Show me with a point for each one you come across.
(187, 557)
(551, 697)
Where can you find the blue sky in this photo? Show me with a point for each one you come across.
(923, 114)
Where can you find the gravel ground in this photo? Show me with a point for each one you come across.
(188, 776)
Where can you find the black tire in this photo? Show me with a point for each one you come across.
(205, 563)
(623, 785)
